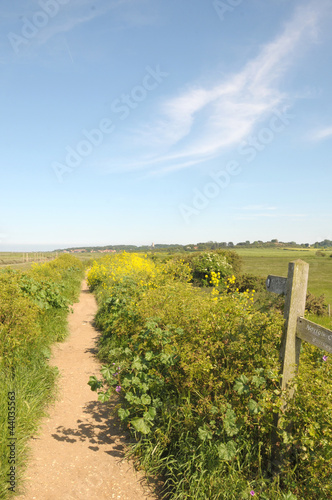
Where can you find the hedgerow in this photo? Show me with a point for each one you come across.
(198, 379)
(33, 314)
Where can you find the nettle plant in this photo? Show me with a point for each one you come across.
(141, 373)
(44, 293)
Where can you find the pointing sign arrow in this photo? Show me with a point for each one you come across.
(276, 284)
(314, 334)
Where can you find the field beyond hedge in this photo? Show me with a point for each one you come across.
(194, 358)
(265, 261)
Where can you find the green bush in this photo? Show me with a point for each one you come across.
(198, 379)
(316, 305)
(266, 300)
(19, 327)
(244, 282)
(66, 272)
(309, 443)
(203, 264)
(33, 314)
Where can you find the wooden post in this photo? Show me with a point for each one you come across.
(295, 300)
(296, 293)
(296, 329)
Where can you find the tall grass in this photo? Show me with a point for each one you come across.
(33, 315)
(34, 387)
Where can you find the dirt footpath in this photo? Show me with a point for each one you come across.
(77, 454)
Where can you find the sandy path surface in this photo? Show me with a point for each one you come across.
(77, 454)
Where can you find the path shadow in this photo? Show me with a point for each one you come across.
(94, 349)
(103, 428)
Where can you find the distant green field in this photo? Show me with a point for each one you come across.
(265, 261)
(89, 255)
(23, 260)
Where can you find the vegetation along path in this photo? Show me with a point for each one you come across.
(77, 454)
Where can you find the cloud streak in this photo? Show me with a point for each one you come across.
(200, 123)
(273, 216)
(321, 134)
(252, 212)
(73, 19)
(67, 17)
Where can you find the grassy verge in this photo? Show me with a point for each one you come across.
(33, 314)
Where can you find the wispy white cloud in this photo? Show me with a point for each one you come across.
(70, 16)
(308, 93)
(202, 122)
(268, 215)
(258, 207)
(252, 212)
(78, 12)
(321, 134)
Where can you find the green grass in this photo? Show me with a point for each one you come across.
(265, 261)
(35, 387)
(18, 260)
(24, 367)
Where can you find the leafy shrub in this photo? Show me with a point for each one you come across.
(316, 305)
(233, 259)
(266, 300)
(44, 293)
(66, 272)
(244, 282)
(203, 264)
(19, 328)
(112, 268)
(309, 444)
(198, 379)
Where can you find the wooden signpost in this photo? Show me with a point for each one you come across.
(276, 284)
(314, 334)
(296, 329)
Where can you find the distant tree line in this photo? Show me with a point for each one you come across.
(209, 245)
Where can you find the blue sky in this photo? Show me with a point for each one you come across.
(140, 121)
